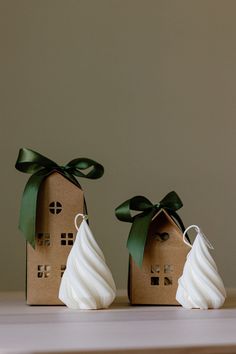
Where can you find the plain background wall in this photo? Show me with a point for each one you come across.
(147, 88)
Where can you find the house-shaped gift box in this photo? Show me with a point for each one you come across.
(156, 282)
(59, 201)
(156, 248)
(51, 199)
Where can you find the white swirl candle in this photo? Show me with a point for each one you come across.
(87, 282)
(200, 285)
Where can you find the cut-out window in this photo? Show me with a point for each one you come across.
(168, 281)
(155, 268)
(55, 207)
(63, 268)
(154, 280)
(44, 271)
(161, 236)
(43, 239)
(168, 268)
(67, 238)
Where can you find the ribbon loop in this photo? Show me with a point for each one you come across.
(95, 169)
(40, 167)
(171, 201)
(138, 203)
(29, 161)
(141, 221)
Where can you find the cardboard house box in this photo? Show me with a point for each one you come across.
(59, 200)
(51, 199)
(156, 282)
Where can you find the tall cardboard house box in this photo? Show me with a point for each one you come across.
(155, 283)
(59, 201)
(51, 199)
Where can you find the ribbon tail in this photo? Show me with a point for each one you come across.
(27, 220)
(138, 236)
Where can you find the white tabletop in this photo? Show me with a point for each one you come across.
(120, 329)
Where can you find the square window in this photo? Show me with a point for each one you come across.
(168, 268)
(155, 268)
(168, 281)
(154, 280)
(43, 239)
(63, 268)
(44, 271)
(67, 239)
(40, 239)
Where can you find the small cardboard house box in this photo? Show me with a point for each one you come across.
(155, 283)
(59, 200)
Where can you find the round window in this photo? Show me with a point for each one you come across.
(55, 207)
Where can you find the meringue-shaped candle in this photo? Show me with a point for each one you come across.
(87, 282)
(200, 285)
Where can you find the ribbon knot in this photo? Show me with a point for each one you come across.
(141, 221)
(40, 167)
(157, 206)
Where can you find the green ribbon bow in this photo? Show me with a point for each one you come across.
(40, 167)
(141, 222)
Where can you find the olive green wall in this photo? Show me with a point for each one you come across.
(148, 88)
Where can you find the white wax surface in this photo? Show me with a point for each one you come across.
(87, 282)
(200, 286)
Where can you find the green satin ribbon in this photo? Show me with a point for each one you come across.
(40, 167)
(141, 222)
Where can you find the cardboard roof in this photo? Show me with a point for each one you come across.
(76, 183)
